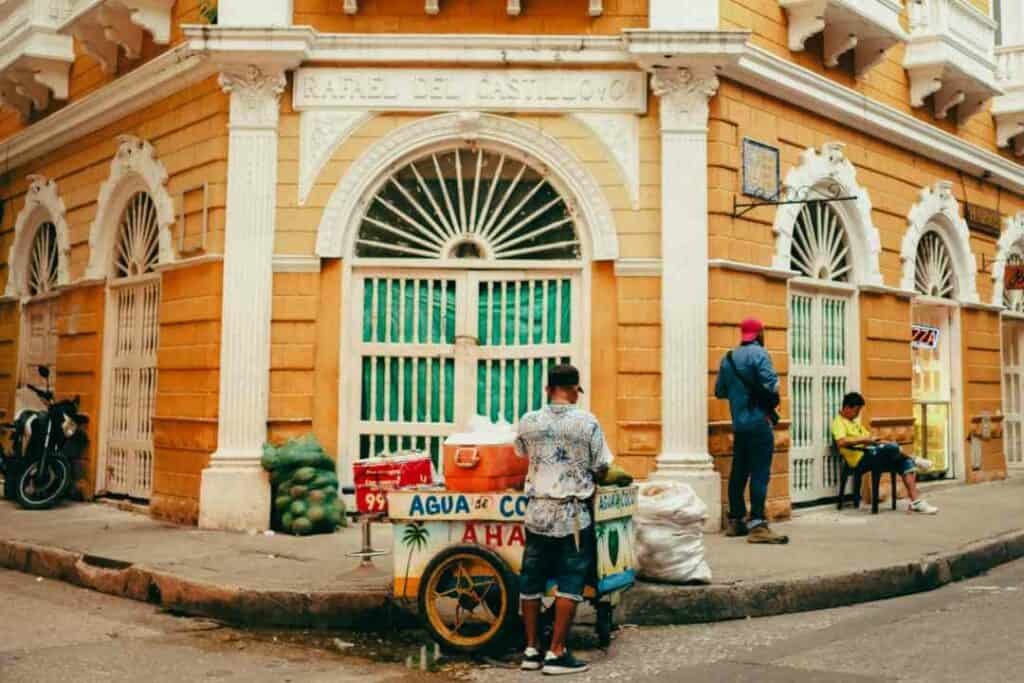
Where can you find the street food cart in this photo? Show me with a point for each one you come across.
(459, 554)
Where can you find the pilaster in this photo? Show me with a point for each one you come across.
(685, 94)
(235, 492)
(673, 15)
(264, 14)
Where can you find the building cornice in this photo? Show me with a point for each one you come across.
(792, 83)
(767, 271)
(162, 76)
(206, 47)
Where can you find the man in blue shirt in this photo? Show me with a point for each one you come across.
(753, 433)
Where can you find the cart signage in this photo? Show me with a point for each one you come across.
(445, 505)
(924, 337)
(613, 503)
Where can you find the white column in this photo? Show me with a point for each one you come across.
(676, 15)
(235, 491)
(262, 13)
(684, 455)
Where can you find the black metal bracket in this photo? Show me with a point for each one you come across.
(832, 192)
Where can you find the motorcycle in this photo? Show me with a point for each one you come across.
(47, 446)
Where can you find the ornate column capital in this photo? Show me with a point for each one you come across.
(255, 95)
(685, 94)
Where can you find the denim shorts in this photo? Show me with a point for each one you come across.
(556, 558)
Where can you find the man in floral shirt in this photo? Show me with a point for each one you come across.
(567, 454)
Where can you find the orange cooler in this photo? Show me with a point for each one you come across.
(478, 468)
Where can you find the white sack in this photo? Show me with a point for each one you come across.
(669, 534)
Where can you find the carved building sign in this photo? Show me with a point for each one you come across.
(476, 89)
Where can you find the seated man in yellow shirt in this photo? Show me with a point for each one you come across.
(859, 447)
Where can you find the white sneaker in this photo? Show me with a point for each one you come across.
(922, 506)
(923, 464)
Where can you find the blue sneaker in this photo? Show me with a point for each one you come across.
(565, 664)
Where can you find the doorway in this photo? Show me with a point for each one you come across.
(935, 360)
(436, 347)
(822, 370)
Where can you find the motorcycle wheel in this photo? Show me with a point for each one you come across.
(51, 485)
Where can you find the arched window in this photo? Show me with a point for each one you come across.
(819, 249)
(43, 261)
(467, 202)
(933, 268)
(138, 242)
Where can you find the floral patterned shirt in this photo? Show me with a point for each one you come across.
(566, 448)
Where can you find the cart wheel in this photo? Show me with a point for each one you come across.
(468, 598)
(605, 624)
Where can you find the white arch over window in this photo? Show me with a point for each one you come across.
(1010, 242)
(134, 169)
(42, 205)
(937, 211)
(345, 210)
(815, 177)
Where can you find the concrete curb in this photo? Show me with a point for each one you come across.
(361, 608)
(373, 609)
(651, 604)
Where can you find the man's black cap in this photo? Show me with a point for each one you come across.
(564, 375)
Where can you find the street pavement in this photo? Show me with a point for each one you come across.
(54, 633)
(965, 631)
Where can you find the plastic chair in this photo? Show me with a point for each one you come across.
(857, 473)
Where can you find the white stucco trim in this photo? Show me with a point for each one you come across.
(42, 204)
(938, 211)
(792, 83)
(341, 218)
(320, 135)
(296, 263)
(620, 134)
(155, 80)
(638, 267)
(767, 271)
(134, 169)
(1012, 240)
(819, 170)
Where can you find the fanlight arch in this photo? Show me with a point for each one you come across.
(936, 251)
(39, 255)
(594, 224)
(830, 240)
(468, 201)
(135, 170)
(1011, 242)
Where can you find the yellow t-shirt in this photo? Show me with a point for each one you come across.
(842, 429)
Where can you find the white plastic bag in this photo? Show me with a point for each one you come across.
(670, 536)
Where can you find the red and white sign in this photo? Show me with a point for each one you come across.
(924, 336)
(375, 477)
(1013, 277)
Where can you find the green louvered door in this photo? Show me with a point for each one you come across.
(434, 348)
(525, 323)
(820, 373)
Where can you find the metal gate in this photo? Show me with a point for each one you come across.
(133, 320)
(820, 371)
(436, 347)
(1013, 371)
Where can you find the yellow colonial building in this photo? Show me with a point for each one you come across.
(375, 219)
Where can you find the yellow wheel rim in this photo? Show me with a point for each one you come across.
(466, 600)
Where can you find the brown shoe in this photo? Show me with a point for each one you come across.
(735, 527)
(762, 534)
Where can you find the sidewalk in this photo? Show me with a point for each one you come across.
(833, 559)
